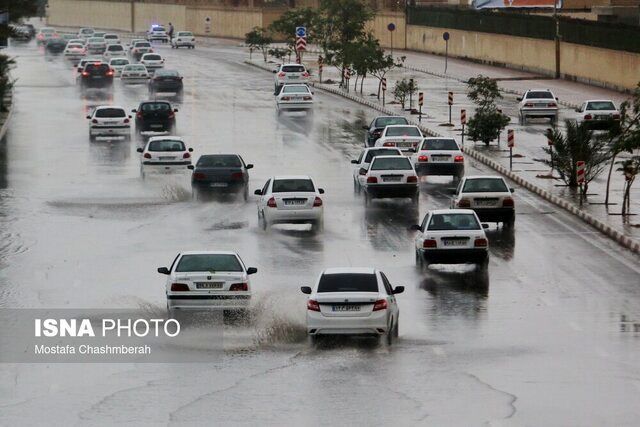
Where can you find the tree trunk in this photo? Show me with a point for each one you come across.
(362, 82)
(613, 161)
(379, 88)
(625, 198)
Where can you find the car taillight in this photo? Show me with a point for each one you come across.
(464, 203)
(389, 144)
(615, 116)
(126, 120)
(306, 98)
(85, 74)
(423, 158)
(458, 159)
(507, 202)
(480, 243)
(305, 74)
(110, 73)
(313, 305)
(272, 203)
(285, 98)
(281, 74)
(147, 156)
(528, 104)
(179, 287)
(412, 178)
(552, 105)
(238, 176)
(94, 121)
(381, 304)
(239, 287)
(139, 114)
(171, 115)
(317, 202)
(372, 180)
(588, 117)
(199, 176)
(429, 243)
(186, 155)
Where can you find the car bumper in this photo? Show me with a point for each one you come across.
(454, 256)
(374, 324)
(104, 130)
(166, 88)
(293, 216)
(391, 190)
(539, 112)
(184, 43)
(218, 187)
(165, 167)
(456, 169)
(134, 80)
(183, 301)
(295, 106)
(600, 124)
(494, 214)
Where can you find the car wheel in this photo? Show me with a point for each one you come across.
(396, 328)
(318, 225)
(92, 138)
(356, 187)
(390, 334)
(509, 222)
(416, 199)
(245, 194)
(483, 267)
(367, 199)
(419, 261)
(142, 175)
(262, 221)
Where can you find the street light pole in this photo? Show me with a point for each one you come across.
(557, 37)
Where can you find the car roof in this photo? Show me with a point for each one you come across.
(390, 117)
(159, 101)
(390, 157)
(448, 211)
(165, 137)
(440, 137)
(599, 100)
(483, 176)
(291, 63)
(343, 270)
(208, 253)
(101, 107)
(279, 177)
(401, 126)
(219, 154)
(366, 150)
(538, 90)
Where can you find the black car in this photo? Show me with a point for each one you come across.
(55, 46)
(166, 81)
(155, 116)
(96, 76)
(374, 130)
(226, 173)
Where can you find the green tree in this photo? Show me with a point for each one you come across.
(280, 53)
(6, 84)
(292, 18)
(576, 144)
(629, 169)
(258, 39)
(18, 10)
(382, 64)
(487, 122)
(403, 89)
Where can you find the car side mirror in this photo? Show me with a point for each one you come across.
(363, 171)
(88, 117)
(519, 98)
(321, 190)
(452, 191)
(512, 189)
(557, 99)
(175, 110)
(163, 270)
(252, 270)
(129, 116)
(398, 290)
(258, 192)
(365, 127)
(133, 111)
(577, 110)
(249, 166)
(139, 150)
(274, 71)
(191, 167)
(415, 227)
(190, 150)
(485, 226)
(305, 289)
(354, 161)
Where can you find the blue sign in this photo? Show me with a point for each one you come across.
(301, 32)
(391, 27)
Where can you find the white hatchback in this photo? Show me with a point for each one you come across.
(489, 196)
(363, 161)
(114, 51)
(352, 301)
(109, 121)
(152, 61)
(207, 280)
(117, 65)
(390, 177)
(290, 200)
(439, 156)
(164, 154)
(290, 73)
(404, 137)
(183, 39)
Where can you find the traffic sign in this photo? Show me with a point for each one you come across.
(391, 26)
(207, 24)
(384, 84)
(420, 99)
(463, 117)
(580, 170)
(445, 36)
(301, 44)
(450, 98)
(511, 138)
(301, 31)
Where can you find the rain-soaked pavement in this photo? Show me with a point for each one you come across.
(553, 339)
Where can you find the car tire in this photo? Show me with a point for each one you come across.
(483, 267)
(510, 222)
(367, 199)
(396, 328)
(318, 225)
(356, 186)
(416, 198)
(262, 222)
(390, 335)
(419, 261)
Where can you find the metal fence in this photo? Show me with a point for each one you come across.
(599, 34)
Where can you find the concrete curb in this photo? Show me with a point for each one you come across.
(607, 230)
(5, 126)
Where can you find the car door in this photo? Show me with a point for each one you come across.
(423, 228)
(264, 197)
(356, 171)
(391, 298)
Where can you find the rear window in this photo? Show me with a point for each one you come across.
(208, 262)
(600, 106)
(158, 28)
(185, 33)
(74, 46)
(142, 44)
(86, 31)
(110, 112)
(111, 36)
(96, 68)
(539, 94)
(391, 163)
(381, 152)
(156, 106)
(295, 89)
(293, 68)
(166, 145)
(403, 131)
(152, 57)
(47, 30)
(348, 282)
(484, 185)
(386, 121)
(453, 222)
(121, 61)
(293, 185)
(139, 68)
(224, 161)
(439, 144)
(115, 48)
(96, 40)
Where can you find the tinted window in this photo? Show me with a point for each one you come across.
(403, 131)
(224, 161)
(96, 40)
(185, 33)
(439, 144)
(539, 94)
(115, 48)
(142, 44)
(348, 282)
(600, 105)
(158, 28)
(208, 262)
(292, 185)
(96, 68)
(152, 57)
(453, 222)
(295, 89)
(139, 68)
(119, 61)
(156, 106)
(391, 163)
(293, 69)
(111, 36)
(386, 121)
(484, 185)
(110, 112)
(381, 152)
(166, 145)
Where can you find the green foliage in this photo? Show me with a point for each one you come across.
(18, 10)
(292, 18)
(258, 39)
(483, 91)
(280, 53)
(487, 122)
(6, 65)
(403, 89)
(630, 168)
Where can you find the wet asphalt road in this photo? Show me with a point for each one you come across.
(552, 340)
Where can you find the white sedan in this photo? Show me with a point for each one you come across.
(208, 280)
(74, 51)
(451, 236)
(363, 161)
(109, 121)
(114, 51)
(598, 114)
(489, 196)
(152, 61)
(117, 65)
(352, 301)
(183, 39)
(404, 137)
(294, 97)
(111, 38)
(390, 177)
(164, 154)
(290, 200)
(439, 156)
(538, 103)
(134, 73)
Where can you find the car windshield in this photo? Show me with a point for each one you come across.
(96, 68)
(600, 106)
(157, 28)
(155, 106)
(115, 48)
(221, 161)
(47, 30)
(453, 221)
(208, 262)
(295, 89)
(152, 57)
(391, 163)
(293, 185)
(86, 31)
(119, 61)
(110, 112)
(348, 282)
(539, 94)
(485, 185)
(403, 131)
(293, 68)
(166, 145)
(439, 144)
(381, 152)
(185, 33)
(142, 44)
(386, 121)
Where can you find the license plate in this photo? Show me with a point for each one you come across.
(601, 117)
(343, 308)
(218, 184)
(454, 242)
(295, 202)
(156, 126)
(166, 158)
(404, 144)
(485, 202)
(293, 77)
(209, 285)
(440, 158)
(110, 123)
(391, 178)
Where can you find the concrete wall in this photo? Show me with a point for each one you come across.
(379, 28)
(224, 22)
(99, 14)
(146, 14)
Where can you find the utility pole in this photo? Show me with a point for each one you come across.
(557, 37)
